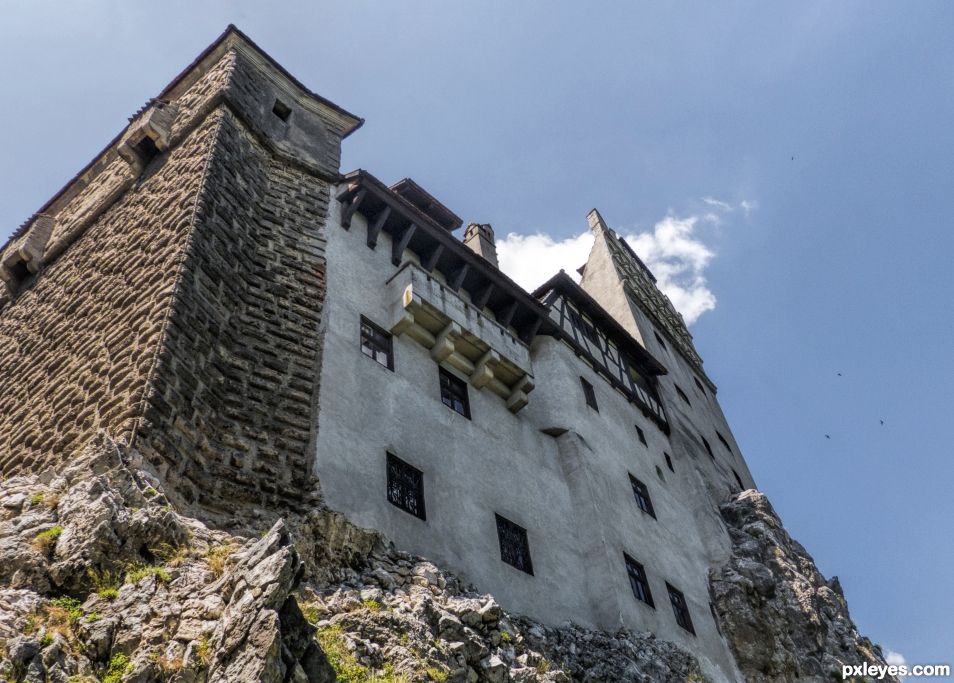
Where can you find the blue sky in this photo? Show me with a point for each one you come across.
(831, 121)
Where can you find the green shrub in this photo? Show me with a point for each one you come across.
(139, 573)
(119, 665)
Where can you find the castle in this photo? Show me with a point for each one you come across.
(212, 291)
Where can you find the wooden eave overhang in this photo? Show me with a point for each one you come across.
(428, 203)
(410, 228)
(564, 284)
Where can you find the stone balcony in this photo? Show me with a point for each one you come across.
(459, 335)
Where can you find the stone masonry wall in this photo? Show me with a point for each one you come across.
(229, 415)
(78, 343)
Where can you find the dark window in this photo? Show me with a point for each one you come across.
(19, 273)
(659, 473)
(669, 462)
(682, 395)
(514, 547)
(708, 447)
(638, 581)
(146, 150)
(642, 496)
(724, 442)
(659, 339)
(281, 110)
(641, 435)
(406, 486)
(680, 608)
(699, 384)
(738, 480)
(377, 344)
(589, 394)
(454, 393)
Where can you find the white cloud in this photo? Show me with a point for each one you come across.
(718, 203)
(896, 658)
(672, 250)
(748, 206)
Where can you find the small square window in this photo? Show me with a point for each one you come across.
(281, 110)
(641, 493)
(590, 394)
(638, 581)
(708, 447)
(682, 395)
(642, 435)
(406, 486)
(377, 344)
(454, 393)
(514, 546)
(669, 462)
(680, 608)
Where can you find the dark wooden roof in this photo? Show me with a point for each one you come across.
(438, 249)
(427, 203)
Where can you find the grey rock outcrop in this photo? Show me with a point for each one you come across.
(784, 621)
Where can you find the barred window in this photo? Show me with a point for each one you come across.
(641, 435)
(377, 344)
(641, 494)
(589, 394)
(454, 393)
(406, 486)
(514, 546)
(680, 608)
(638, 581)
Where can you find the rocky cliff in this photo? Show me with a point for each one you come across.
(102, 580)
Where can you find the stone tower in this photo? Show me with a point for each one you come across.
(171, 293)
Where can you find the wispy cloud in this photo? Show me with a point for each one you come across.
(673, 250)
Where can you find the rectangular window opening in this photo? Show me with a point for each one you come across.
(641, 493)
(642, 435)
(659, 339)
(738, 480)
(680, 608)
(699, 384)
(514, 546)
(590, 394)
(406, 487)
(454, 393)
(638, 581)
(669, 462)
(377, 344)
(281, 110)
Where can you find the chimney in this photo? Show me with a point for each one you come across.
(479, 238)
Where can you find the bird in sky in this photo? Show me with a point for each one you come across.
(839, 374)
(827, 437)
(882, 422)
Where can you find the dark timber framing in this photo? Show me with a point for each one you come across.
(411, 227)
(610, 349)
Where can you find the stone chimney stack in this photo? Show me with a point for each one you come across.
(479, 238)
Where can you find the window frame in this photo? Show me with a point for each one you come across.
(680, 608)
(456, 392)
(513, 532)
(641, 493)
(393, 463)
(636, 573)
(387, 336)
(589, 394)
